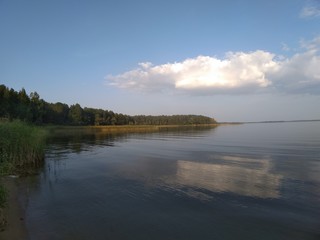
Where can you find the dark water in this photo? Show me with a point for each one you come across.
(252, 181)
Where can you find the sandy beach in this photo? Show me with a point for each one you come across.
(14, 213)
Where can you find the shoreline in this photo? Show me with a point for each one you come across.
(124, 128)
(14, 213)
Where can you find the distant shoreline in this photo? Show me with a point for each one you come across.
(125, 128)
(280, 121)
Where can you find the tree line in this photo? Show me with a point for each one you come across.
(31, 108)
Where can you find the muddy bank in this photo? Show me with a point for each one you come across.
(13, 213)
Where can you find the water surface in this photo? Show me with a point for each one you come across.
(251, 181)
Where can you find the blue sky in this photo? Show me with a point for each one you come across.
(231, 60)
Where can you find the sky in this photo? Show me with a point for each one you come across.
(233, 60)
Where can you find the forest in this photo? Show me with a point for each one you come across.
(31, 108)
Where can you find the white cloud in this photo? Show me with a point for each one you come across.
(285, 47)
(310, 11)
(313, 45)
(238, 72)
(299, 74)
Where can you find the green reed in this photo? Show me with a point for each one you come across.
(21, 147)
(21, 152)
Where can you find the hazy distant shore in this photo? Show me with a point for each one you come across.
(271, 121)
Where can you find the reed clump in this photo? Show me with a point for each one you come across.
(21, 147)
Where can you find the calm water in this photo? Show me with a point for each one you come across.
(252, 181)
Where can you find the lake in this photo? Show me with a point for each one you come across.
(249, 181)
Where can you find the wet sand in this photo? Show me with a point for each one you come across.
(15, 228)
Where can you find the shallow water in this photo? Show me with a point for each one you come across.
(251, 181)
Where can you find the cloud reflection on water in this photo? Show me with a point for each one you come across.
(236, 179)
(244, 176)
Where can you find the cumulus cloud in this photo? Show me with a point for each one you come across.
(238, 72)
(299, 74)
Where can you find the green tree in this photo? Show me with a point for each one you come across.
(4, 103)
(24, 107)
(38, 107)
(76, 114)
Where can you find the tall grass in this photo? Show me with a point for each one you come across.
(21, 150)
(21, 146)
